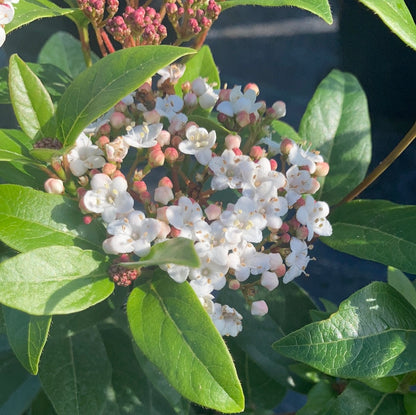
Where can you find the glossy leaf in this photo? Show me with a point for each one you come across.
(175, 333)
(337, 124)
(31, 102)
(178, 251)
(31, 219)
(64, 51)
(27, 336)
(377, 230)
(14, 146)
(402, 284)
(53, 78)
(372, 335)
(396, 15)
(76, 374)
(27, 11)
(54, 280)
(319, 7)
(284, 130)
(133, 392)
(321, 397)
(101, 86)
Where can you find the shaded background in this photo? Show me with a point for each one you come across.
(287, 52)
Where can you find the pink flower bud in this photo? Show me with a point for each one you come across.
(253, 87)
(213, 212)
(109, 169)
(174, 233)
(234, 285)
(151, 117)
(300, 202)
(273, 164)
(145, 197)
(139, 186)
(222, 118)
(279, 108)
(232, 141)
(302, 232)
(164, 230)
(315, 185)
(161, 214)
(284, 228)
(163, 195)
(322, 169)
(224, 94)
(190, 100)
(165, 181)
(259, 308)
(243, 118)
(163, 138)
(175, 141)
(269, 280)
(87, 219)
(237, 151)
(102, 141)
(171, 154)
(55, 186)
(156, 158)
(118, 173)
(117, 120)
(256, 152)
(285, 146)
(120, 106)
(280, 270)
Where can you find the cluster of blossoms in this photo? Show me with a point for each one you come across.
(6, 16)
(250, 223)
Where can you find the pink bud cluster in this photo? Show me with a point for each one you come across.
(94, 10)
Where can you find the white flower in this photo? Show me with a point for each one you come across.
(298, 183)
(163, 194)
(173, 72)
(227, 320)
(133, 233)
(143, 136)
(178, 273)
(297, 155)
(313, 215)
(85, 156)
(297, 260)
(169, 106)
(177, 123)
(273, 148)
(206, 94)
(6, 13)
(117, 150)
(108, 197)
(199, 143)
(273, 210)
(240, 102)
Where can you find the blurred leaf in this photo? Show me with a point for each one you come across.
(164, 328)
(31, 219)
(31, 102)
(321, 397)
(41, 405)
(376, 230)
(27, 11)
(284, 130)
(58, 280)
(100, 87)
(76, 374)
(395, 15)
(388, 384)
(65, 52)
(372, 335)
(337, 124)
(27, 336)
(319, 7)
(410, 403)
(402, 284)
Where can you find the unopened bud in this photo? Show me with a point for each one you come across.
(232, 141)
(165, 181)
(163, 138)
(109, 169)
(104, 129)
(55, 186)
(213, 212)
(315, 185)
(156, 158)
(256, 152)
(120, 107)
(151, 117)
(285, 238)
(139, 186)
(322, 169)
(253, 87)
(259, 308)
(279, 108)
(164, 230)
(234, 285)
(285, 146)
(273, 164)
(171, 154)
(163, 195)
(269, 280)
(243, 118)
(102, 141)
(174, 233)
(190, 100)
(302, 232)
(87, 219)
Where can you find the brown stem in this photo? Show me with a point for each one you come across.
(107, 41)
(199, 41)
(403, 144)
(100, 41)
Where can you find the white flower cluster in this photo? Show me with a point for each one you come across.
(6, 16)
(261, 234)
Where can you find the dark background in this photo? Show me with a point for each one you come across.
(287, 52)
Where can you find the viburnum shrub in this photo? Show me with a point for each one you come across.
(153, 220)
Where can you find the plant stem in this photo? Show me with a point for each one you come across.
(107, 41)
(100, 41)
(403, 144)
(85, 44)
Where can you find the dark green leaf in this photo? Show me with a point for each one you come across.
(54, 280)
(178, 251)
(377, 230)
(372, 335)
(396, 16)
(27, 11)
(31, 101)
(30, 219)
(388, 384)
(319, 7)
(284, 130)
(76, 374)
(321, 397)
(337, 124)
(53, 78)
(41, 405)
(164, 329)
(65, 52)
(101, 86)
(134, 393)
(14, 145)
(27, 336)
(410, 403)
(402, 284)
(22, 174)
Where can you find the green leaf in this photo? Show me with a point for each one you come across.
(27, 11)
(409, 401)
(134, 393)
(54, 79)
(377, 230)
(388, 384)
(284, 130)
(76, 374)
(184, 345)
(31, 219)
(178, 251)
(402, 284)
(54, 280)
(41, 405)
(14, 145)
(101, 86)
(396, 15)
(31, 102)
(200, 65)
(27, 336)
(321, 397)
(319, 7)
(337, 124)
(65, 52)
(372, 335)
